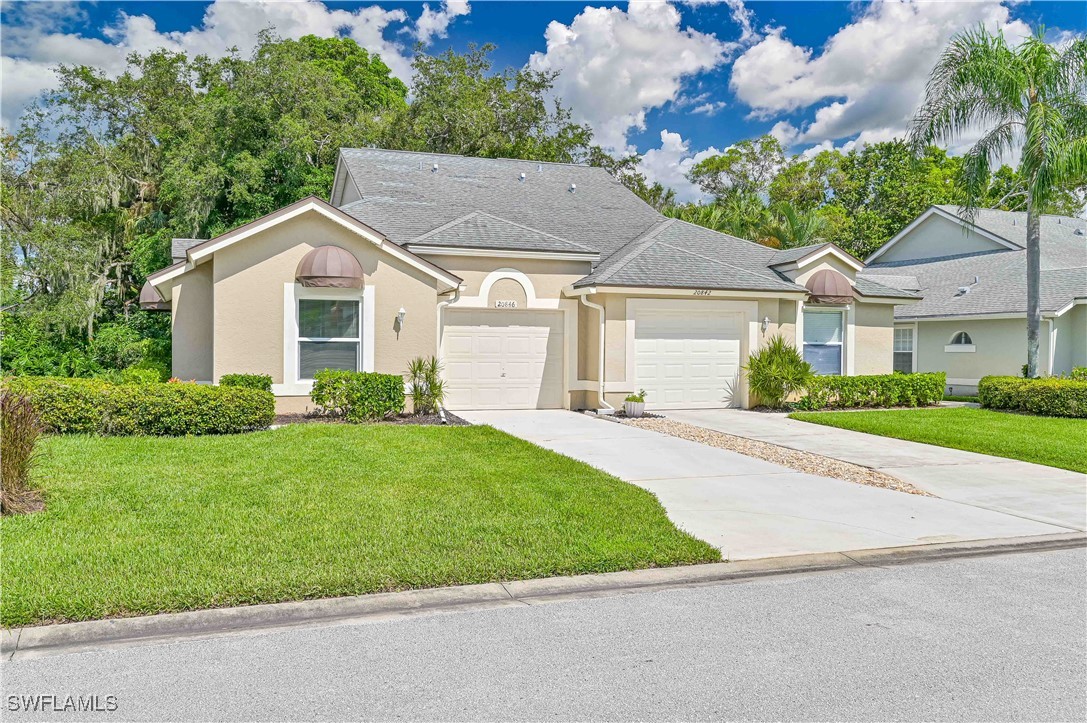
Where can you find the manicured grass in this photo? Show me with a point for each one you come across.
(1052, 441)
(145, 525)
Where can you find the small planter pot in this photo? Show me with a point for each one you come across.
(634, 409)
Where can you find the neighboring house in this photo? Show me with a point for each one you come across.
(973, 277)
(538, 285)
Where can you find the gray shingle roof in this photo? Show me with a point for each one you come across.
(785, 256)
(867, 286)
(403, 198)
(1001, 287)
(179, 246)
(1062, 246)
(678, 254)
(484, 231)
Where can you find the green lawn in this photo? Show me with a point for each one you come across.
(146, 525)
(1052, 441)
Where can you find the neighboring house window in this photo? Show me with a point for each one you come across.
(823, 333)
(328, 336)
(961, 338)
(961, 342)
(903, 350)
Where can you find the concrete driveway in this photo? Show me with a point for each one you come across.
(749, 508)
(1032, 491)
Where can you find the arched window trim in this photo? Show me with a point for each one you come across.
(961, 338)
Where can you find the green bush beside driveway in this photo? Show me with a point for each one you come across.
(143, 525)
(1052, 441)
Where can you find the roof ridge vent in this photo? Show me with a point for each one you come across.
(522, 178)
(573, 187)
(434, 169)
(1078, 232)
(539, 168)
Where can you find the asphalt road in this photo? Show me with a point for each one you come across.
(985, 639)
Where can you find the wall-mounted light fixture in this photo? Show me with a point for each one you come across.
(765, 323)
(400, 317)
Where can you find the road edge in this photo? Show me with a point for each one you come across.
(40, 641)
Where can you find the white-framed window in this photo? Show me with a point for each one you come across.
(329, 335)
(960, 342)
(903, 349)
(961, 337)
(824, 331)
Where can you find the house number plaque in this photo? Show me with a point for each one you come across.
(505, 304)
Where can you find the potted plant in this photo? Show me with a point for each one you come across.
(634, 404)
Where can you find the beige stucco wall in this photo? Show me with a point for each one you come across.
(1076, 338)
(873, 341)
(546, 276)
(192, 311)
(1001, 347)
(507, 290)
(937, 236)
(249, 294)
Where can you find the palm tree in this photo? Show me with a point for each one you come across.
(1031, 98)
(790, 228)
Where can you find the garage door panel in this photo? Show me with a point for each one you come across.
(687, 358)
(516, 359)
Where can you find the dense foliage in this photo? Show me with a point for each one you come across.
(20, 428)
(1049, 396)
(358, 396)
(777, 371)
(876, 390)
(93, 406)
(857, 199)
(425, 385)
(247, 381)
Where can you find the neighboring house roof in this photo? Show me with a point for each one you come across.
(1001, 287)
(1001, 274)
(480, 230)
(404, 197)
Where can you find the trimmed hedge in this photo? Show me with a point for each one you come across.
(1048, 396)
(358, 396)
(876, 390)
(262, 382)
(92, 406)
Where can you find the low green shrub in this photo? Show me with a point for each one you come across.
(777, 371)
(20, 428)
(1079, 373)
(262, 382)
(1048, 396)
(876, 390)
(358, 396)
(92, 406)
(140, 375)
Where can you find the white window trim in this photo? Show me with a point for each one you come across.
(292, 386)
(913, 346)
(960, 348)
(845, 345)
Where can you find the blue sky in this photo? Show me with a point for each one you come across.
(675, 81)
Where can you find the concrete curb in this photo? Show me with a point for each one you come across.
(34, 642)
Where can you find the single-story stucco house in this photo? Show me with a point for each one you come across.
(973, 277)
(538, 285)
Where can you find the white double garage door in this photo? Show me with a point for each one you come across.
(505, 359)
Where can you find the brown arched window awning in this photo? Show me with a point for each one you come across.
(330, 267)
(827, 286)
(151, 299)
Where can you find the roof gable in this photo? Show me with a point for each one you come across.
(479, 230)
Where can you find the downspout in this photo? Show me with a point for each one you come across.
(441, 308)
(1052, 346)
(600, 354)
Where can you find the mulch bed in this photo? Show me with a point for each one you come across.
(452, 420)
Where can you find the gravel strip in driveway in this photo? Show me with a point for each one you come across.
(802, 461)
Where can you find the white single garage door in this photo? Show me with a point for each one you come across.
(687, 358)
(503, 359)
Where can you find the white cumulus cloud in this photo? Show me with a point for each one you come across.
(669, 164)
(614, 65)
(435, 23)
(869, 76)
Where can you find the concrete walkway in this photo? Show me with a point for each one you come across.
(750, 508)
(1033, 491)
